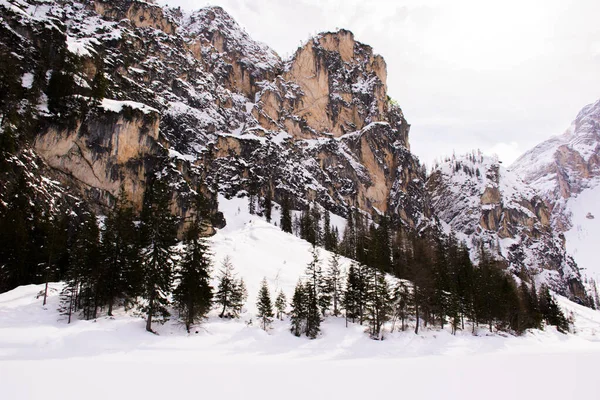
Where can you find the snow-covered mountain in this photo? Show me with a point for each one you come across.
(566, 171)
(490, 206)
(104, 94)
(224, 108)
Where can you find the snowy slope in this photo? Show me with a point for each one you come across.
(116, 358)
(582, 238)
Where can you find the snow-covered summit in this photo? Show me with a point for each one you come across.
(565, 165)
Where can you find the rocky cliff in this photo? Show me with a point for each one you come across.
(563, 166)
(318, 126)
(565, 170)
(490, 207)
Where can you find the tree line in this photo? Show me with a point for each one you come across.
(438, 284)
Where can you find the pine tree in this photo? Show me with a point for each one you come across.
(120, 253)
(159, 231)
(401, 300)
(299, 311)
(550, 310)
(228, 295)
(351, 300)
(280, 305)
(314, 300)
(80, 291)
(268, 206)
(378, 305)
(286, 215)
(334, 283)
(193, 294)
(265, 309)
(238, 297)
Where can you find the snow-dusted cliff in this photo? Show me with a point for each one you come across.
(490, 206)
(566, 171)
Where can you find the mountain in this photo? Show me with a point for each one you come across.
(225, 109)
(489, 207)
(108, 95)
(565, 170)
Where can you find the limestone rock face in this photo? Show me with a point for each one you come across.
(104, 152)
(488, 205)
(318, 126)
(563, 166)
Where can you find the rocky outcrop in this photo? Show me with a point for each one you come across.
(105, 151)
(490, 207)
(565, 165)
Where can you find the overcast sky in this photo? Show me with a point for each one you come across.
(501, 76)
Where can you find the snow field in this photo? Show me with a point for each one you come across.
(43, 357)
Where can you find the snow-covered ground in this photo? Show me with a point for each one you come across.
(582, 238)
(43, 357)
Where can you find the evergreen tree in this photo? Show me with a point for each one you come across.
(100, 83)
(401, 301)
(314, 299)
(159, 230)
(378, 304)
(193, 294)
(120, 253)
(299, 311)
(280, 305)
(268, 206)
(80, 291)
(286, 215)
(229, 294)
(238, 298)
(334, 283)
(349, 241)
(265, 309)
(551, 312)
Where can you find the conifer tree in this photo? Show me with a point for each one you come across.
(378, 305)
(159, 232)
(334, 283)
(238, 298)
(286, 215)
(80, 291)
(401, 300)
(550, 310)
(193, 294)
(229, 291)
(315, 301)
(299, 310)
(265, 309)
(120, 253)
(280, 305)
(268, 206)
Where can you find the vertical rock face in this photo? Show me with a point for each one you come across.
(342, 83)
(566, 171)
(488, 205)
(318, 126)
(104, 151)
(565, 165)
